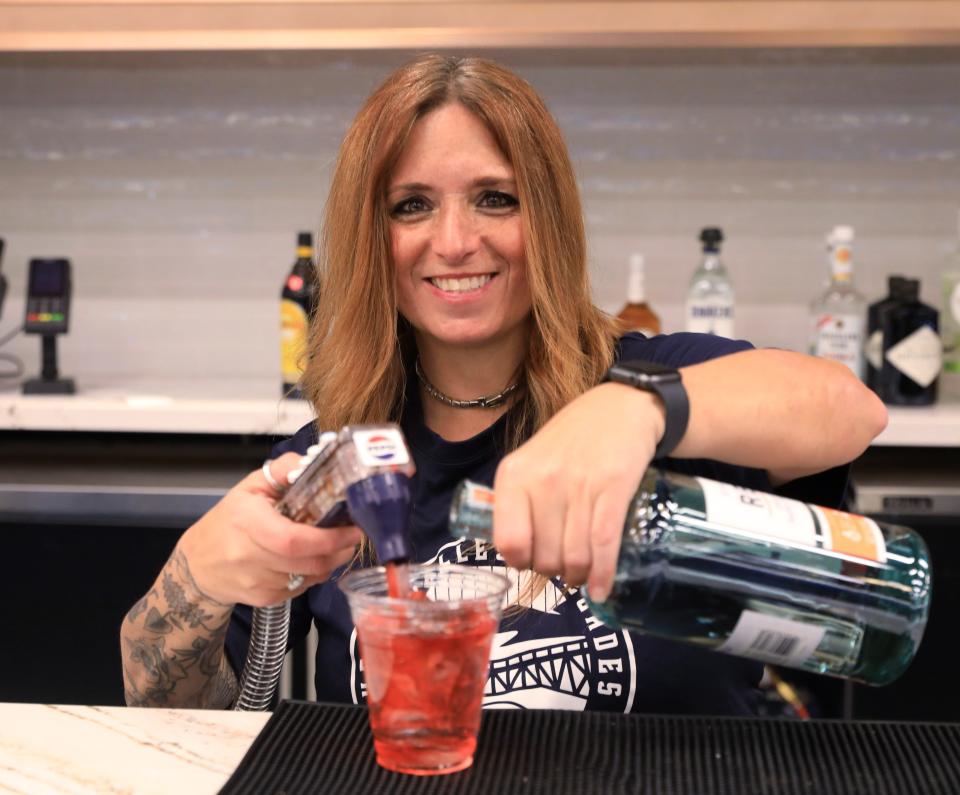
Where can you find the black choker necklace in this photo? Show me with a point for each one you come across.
(486, 402)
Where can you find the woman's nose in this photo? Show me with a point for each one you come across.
(455, 237)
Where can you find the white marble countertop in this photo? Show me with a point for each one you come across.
(70, 750)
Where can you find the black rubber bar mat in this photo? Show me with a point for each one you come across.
(320, 748)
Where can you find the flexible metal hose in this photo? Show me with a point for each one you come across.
(268, 646)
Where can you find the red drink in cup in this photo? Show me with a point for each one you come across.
(426, 659)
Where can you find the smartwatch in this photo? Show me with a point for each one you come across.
(666, 383)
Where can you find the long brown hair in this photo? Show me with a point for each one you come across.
(359, 345)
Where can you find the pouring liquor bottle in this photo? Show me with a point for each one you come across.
(756, 575)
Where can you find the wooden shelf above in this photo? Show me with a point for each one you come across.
(111, 25)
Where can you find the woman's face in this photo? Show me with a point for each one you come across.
(456, 233)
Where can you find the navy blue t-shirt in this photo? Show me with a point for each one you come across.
(555, 654)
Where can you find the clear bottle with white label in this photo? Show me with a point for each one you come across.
(838, 316)
(759, 576)
(709, 307)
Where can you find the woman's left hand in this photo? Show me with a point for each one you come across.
(562, 497)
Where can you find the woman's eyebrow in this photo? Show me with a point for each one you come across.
(490, 182)
(409, 187)
(481, 182)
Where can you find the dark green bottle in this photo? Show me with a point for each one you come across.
(756, 575)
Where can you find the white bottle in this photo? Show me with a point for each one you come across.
(838, 316)
(710, 295)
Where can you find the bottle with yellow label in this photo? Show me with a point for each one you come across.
(296, 306)
(756, 575)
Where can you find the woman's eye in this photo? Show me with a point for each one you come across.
(496, 200)
(410, 206)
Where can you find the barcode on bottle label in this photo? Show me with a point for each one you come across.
(771, 639)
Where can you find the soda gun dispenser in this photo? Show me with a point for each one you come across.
(360, 476)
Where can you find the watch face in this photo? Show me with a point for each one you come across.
(640, 372)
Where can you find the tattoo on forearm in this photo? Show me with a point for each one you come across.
(159, 668)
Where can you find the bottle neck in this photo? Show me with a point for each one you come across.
(636, 287)
(471, 512)
(841, 263)
(712, 261)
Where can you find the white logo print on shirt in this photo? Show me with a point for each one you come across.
(568, 659)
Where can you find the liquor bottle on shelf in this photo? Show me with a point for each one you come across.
(756, 575)
(710, 295)
(873, 350)
(637, 315)
(297, 300)
(912, 350)
(950, 329)
(837, 316)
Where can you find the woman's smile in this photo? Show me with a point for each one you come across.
(461, 287)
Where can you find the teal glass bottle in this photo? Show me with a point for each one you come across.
(756, 575)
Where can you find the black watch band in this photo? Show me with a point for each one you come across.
(665, 382)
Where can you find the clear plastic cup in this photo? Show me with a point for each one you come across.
(425, 661)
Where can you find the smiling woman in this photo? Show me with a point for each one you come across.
(454, 300)
(454, 225)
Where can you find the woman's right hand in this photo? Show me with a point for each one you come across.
(244, 550)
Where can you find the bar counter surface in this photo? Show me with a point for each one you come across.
(77, 749)
(308, 748)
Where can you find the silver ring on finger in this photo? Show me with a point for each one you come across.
(270, 478)
(294, 581)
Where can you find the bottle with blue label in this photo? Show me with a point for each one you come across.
(709, 307)
(756, 575)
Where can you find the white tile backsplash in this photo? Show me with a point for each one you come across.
(176, 182)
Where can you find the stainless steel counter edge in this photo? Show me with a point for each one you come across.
(127, 506)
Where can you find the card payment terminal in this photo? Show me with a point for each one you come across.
(48, 314)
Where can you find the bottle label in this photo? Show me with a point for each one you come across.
(710, 317)
(840, 338)
(851, 535)
(478, 496)
(918, 356)
(766, 517)
(874, 349)
(293, 339)
(841, 262)
(772, 639)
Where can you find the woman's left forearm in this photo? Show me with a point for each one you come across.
(781, 411)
